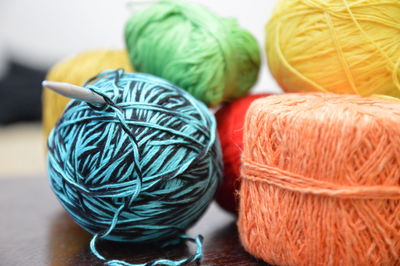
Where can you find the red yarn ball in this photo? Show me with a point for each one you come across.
(230, 121)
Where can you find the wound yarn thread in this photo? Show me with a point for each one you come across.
(143, 168)
(321, 180)
(211, 57)
(230, 122)
(341, 46)
(76, 70)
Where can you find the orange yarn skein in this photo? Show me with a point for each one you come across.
(321, 180)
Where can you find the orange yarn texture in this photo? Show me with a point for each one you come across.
(321, 180)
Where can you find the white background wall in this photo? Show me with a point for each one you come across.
(42, 32)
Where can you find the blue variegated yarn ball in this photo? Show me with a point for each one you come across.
(143, 167)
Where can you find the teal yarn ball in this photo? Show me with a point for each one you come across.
(142, 168)
(213, 58)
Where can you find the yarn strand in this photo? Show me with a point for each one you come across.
(194, 258)
(283, 179)
(137, 190)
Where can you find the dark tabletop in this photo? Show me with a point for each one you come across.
(35, 230)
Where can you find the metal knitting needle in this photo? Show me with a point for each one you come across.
(75, 92)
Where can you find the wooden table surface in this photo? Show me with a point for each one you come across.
(35, 230)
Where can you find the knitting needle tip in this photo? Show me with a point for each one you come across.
(73, 91)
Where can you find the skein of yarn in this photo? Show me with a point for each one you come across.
(321, 180)
(142, 168)
(211, 57)
(230, 121)
(349, 46)
(76, 70)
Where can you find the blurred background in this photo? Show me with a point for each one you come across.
(34, 35)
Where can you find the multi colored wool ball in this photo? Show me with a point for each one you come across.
(141, 168)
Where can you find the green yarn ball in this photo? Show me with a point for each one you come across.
(211, 57)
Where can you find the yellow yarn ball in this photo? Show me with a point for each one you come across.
(77, 70)
(342, 46)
